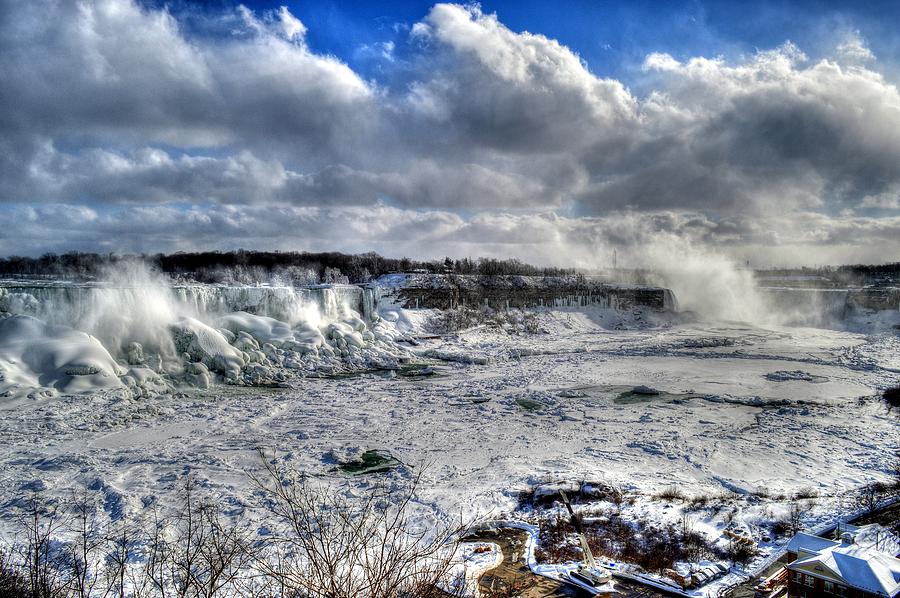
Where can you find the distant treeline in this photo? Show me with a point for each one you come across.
(857, 274)
(244, 266)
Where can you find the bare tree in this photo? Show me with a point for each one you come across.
(335, 548)
(196, 553)
(794, 519)
(121, 547)
(325, 547)
(870, 496)
(40, 522)
(84, 555)
(739, 552)
(13, 582)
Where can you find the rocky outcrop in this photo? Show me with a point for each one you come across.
(451, 291)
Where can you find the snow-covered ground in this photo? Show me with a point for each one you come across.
(741, 408)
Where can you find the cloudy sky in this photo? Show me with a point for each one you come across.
(550, 131)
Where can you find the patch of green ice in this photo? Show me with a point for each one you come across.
(371, 461)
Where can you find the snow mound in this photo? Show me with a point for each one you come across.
(302, 338)
(145, 382)
(208, 346)
(34, 354)
(262, 328)
(307, 337)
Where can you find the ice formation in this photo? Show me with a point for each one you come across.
(34, 354)
(143, 335)
(71, 337)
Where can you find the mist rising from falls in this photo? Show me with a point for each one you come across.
(708, 284)
(869, 310)
(816, 308)
(140, 333)
(137, 304)
(716, 288)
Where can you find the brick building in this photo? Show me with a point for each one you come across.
(822, 568)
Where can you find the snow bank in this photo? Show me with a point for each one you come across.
(307, 338)
(34, 354)
(145, 382)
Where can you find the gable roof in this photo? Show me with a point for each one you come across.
(860, 568)
(815, 566)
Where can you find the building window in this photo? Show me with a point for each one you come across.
(795, 575)
(829, 587)
(810, 581)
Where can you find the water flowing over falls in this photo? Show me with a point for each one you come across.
(78, 304)
(192, 333)
(825, 308)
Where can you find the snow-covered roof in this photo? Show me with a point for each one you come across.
(859, 567)
(809, 543)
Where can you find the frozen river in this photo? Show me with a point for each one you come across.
(740, 408)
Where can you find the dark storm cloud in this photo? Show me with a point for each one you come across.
(112, 109)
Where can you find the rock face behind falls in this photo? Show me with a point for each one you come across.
(450, 291)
